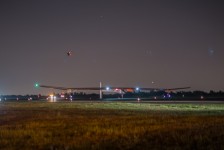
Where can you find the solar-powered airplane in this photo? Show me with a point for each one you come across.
(120, 90)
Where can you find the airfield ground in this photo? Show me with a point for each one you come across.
(111, 125)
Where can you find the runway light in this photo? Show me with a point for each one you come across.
(52, 98)
(138, 99)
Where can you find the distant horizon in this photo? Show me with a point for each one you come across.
(48, 92)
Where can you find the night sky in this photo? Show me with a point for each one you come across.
(145, 43)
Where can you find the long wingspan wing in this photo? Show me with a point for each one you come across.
(181, 88)
(67, 88)
(114, 88)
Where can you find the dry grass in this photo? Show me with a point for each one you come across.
(110, 125)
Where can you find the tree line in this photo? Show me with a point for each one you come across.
(159, 95)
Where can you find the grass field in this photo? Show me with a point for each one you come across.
(110, 125)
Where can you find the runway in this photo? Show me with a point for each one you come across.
(180, 102)
(149, 101)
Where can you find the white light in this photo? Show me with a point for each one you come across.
(107, 88)
(137, 88)
(52, 98)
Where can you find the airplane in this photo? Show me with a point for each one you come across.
(69, 53)
(120, 90)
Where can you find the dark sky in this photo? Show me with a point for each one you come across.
(172, 43)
